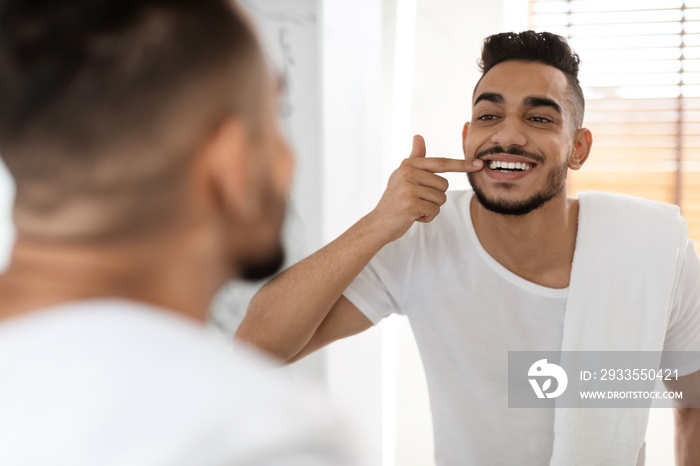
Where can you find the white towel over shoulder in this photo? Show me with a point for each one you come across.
(626, 266)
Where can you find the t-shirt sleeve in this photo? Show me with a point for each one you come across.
(377, 290)
(370, 295)
(683, 333)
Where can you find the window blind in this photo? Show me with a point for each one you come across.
(640, 74)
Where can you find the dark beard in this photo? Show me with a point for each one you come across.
(263, 268)
(556, 181)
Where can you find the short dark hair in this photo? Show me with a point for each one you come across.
(542, 47)
(97, 96)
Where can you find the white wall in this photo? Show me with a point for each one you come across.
(353, 91)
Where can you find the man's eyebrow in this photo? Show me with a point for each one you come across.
(490, 97)
(534, 101)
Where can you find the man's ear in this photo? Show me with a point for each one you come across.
(583, 140)
(228, 164)
(465, 131)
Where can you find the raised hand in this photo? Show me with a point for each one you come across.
(415, 192)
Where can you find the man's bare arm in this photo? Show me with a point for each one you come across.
(302, 309)
(687, 419)
(289, 310)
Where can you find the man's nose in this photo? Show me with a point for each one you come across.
(510, 133)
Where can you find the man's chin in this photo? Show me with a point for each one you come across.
(260, 269)
(517, 206)
(511, 207)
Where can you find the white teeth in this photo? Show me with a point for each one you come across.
(496, 164)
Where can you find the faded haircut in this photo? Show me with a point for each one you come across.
(542, 47)
(104, 101)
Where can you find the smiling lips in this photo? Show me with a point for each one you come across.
(507, 167)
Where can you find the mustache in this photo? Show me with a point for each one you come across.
(512, 151)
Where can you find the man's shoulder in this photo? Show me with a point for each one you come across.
(133, 344)
(615, 203)
(624, 213)
(159, 380)
(630, 225)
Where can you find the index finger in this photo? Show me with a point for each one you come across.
(446, 165)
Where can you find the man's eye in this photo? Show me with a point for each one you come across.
(540, 119)
(487, 117)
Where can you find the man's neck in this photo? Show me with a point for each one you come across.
(538, 246)
(167, 274)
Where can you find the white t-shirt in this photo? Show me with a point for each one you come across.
(467, 311)
(115, 383)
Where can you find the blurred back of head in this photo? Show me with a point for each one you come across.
(103, 102)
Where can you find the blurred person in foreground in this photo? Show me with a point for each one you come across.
(150, 169)
(511, 265)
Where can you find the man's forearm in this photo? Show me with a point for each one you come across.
(286, 312)
(687, 436)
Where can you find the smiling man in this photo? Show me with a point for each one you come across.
(512, 264)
